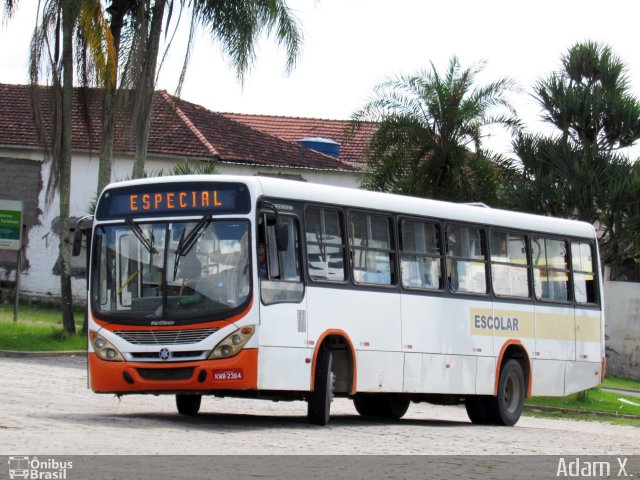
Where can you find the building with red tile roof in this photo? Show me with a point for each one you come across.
(293, 129)
(179, 129)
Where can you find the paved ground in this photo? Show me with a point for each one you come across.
(45, 408)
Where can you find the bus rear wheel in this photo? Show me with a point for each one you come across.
(479, 409)
(319, 403)
(188, 404)
(381, 405)
(507, 406)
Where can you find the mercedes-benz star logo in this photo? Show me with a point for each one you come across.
(165, 354)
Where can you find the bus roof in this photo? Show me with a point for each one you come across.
(411, 206)
(423, 207)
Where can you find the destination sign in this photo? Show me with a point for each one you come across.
(168, 199)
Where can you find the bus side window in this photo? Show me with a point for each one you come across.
(280, 272)
(584, 285)
(551, 269)
(371, 249)
(420, 255)
(509, 267)
(325, 245)
(466, 262)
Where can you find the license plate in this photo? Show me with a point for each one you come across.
(230, 374)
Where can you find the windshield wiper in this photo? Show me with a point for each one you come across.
(137, 231)
(186, 243)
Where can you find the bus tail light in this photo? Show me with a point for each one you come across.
(104, 349)
(233, 343)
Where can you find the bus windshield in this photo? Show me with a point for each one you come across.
(166, 273)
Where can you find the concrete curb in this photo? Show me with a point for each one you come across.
(586, 413)
(63, 353)
(621, 391)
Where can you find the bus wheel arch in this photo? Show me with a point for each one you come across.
(332, 372)
(514, 350)
(343, 361)
(513, 384)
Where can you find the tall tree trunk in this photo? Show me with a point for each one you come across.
(147, 86)
(68, 322)
(109, 98)
(118, 10)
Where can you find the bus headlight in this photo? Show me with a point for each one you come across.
(104, 349)
(233, 343)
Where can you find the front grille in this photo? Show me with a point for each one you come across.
(165, 337)
(166, 373)
(174, 355)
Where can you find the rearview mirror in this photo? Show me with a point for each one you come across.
(82, 226)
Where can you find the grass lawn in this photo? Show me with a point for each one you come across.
(594, 400)
(39, 327)
(622, 384)
(595, 404)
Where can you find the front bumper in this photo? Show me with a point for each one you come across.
(236, 373)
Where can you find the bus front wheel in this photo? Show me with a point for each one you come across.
(188, 404)
(319, 403)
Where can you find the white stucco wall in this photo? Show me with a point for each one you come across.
(622, 329)
(39, 281)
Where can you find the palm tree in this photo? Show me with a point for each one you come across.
(589, 100)
(236, 24)
(52, 53)
(118, 12)
(136, 28)
(431, 127)
(582, 170)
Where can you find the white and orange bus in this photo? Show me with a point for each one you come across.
(275, 289)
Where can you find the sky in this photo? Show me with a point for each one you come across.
(352, 45)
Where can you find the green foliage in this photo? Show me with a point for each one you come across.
(583, 396)
(589, 99)
(192, 167)
(582, 170)
(238, 25)
(429, 139)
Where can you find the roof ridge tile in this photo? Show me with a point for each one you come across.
(189, 124)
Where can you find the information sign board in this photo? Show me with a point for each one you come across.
(10, 224)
